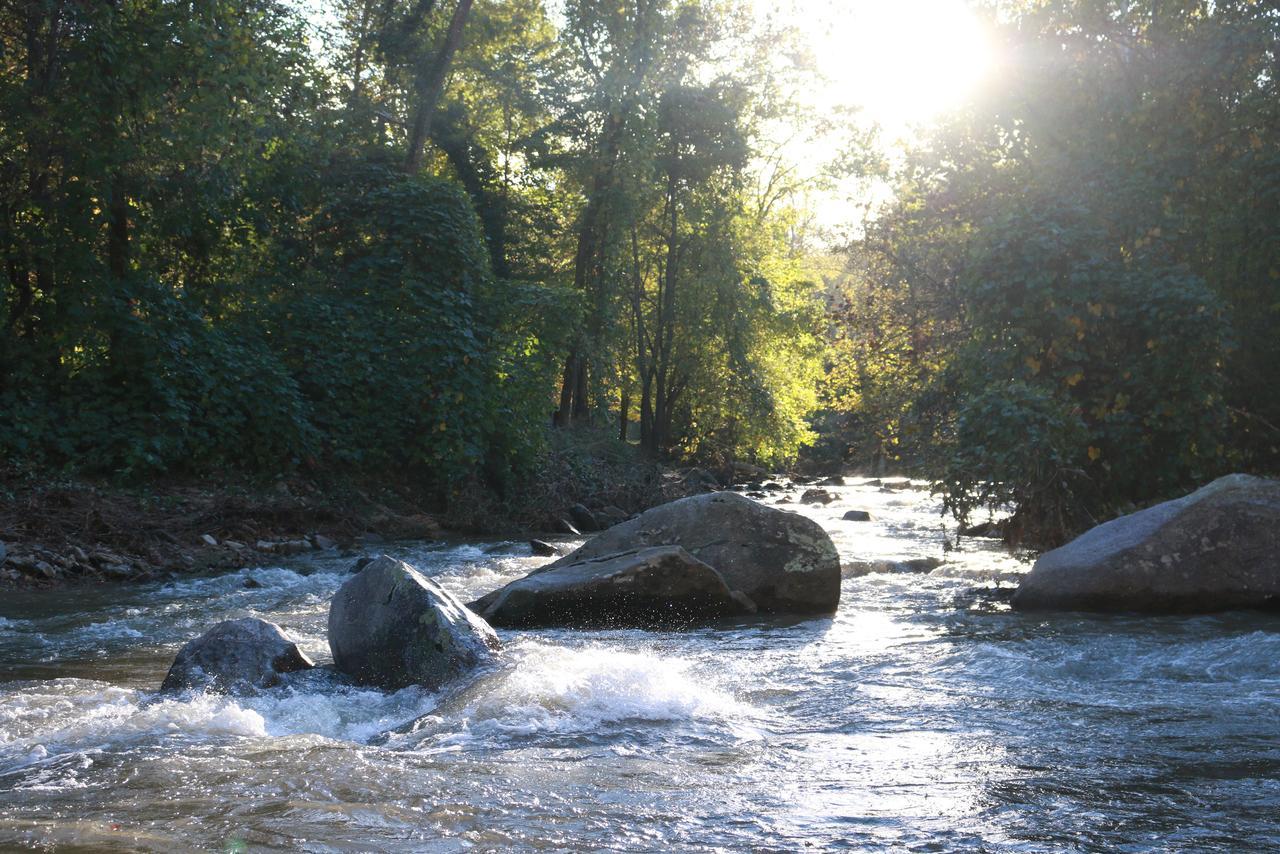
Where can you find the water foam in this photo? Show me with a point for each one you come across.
(558, 690)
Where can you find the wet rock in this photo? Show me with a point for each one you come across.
(542, 548)
(564, 526)
(583, 518)
(993, 529)
(756, 494)
(817, 496)
(1215, 549)
(360, 564)
(33, 567)
(236, 655)
(746, 470)
(917, 565)
(4, 552)
(834, 480)
(322, 542)
(857, 516)
(392, 627)
(251, 583)
(783, 562)
(659, 586)
(772, 486)
(209, 539)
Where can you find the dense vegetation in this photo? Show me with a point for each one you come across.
(236, 237)
(405, 237)
(1072, 304)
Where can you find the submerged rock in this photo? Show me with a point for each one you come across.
(783, 562)
(542, 548)
(857, 569)
(856, 516)
(659, 586)
(817, 496)
(236, 655)
(1215, 549)
(392, 627)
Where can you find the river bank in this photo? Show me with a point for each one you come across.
(57, 530)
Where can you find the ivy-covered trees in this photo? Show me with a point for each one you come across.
(235, 236)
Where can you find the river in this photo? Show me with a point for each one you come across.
(925, 716)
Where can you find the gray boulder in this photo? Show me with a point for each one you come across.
(584, 519)
(856, 516)
(392, 627)
(783, 562)
(1215, 549)
(236, 655)
(817, 496)
(659, 586)
(542, 548)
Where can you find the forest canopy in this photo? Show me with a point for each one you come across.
(412, 237)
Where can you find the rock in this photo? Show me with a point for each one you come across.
(361, 563)
(1215, 549)
(612, 515)
(745, 470)
(857, 569)
(816, 496)
(772, 486)
(989, 528)
(834, 480)
(33, 567)
(696, 478)
(251, 583)
(3, 552)
(236, 655)
(583, 518)
(323, 542)
(857, 516)
(874, 482)
(756, 494)
(209, 539)
(541, 548)
(564, 526)
(900, 483)
(391, 627)
(783, 562)
(658, 586)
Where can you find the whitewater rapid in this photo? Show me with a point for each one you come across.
(924, 715)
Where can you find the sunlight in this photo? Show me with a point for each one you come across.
(904, 62)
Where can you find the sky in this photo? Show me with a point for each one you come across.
(902, 63)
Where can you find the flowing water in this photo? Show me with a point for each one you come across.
(924, 716)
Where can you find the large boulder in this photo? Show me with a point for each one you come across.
(236, 655)
(783, 562)
(392, 627)
(658, 586)
(1215, 549)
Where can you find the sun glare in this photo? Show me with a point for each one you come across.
(903, 61)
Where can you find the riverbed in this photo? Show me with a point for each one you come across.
(924, 716)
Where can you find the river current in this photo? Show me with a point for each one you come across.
(925, 716)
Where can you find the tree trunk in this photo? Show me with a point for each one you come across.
(624, 405)
(430, 84)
